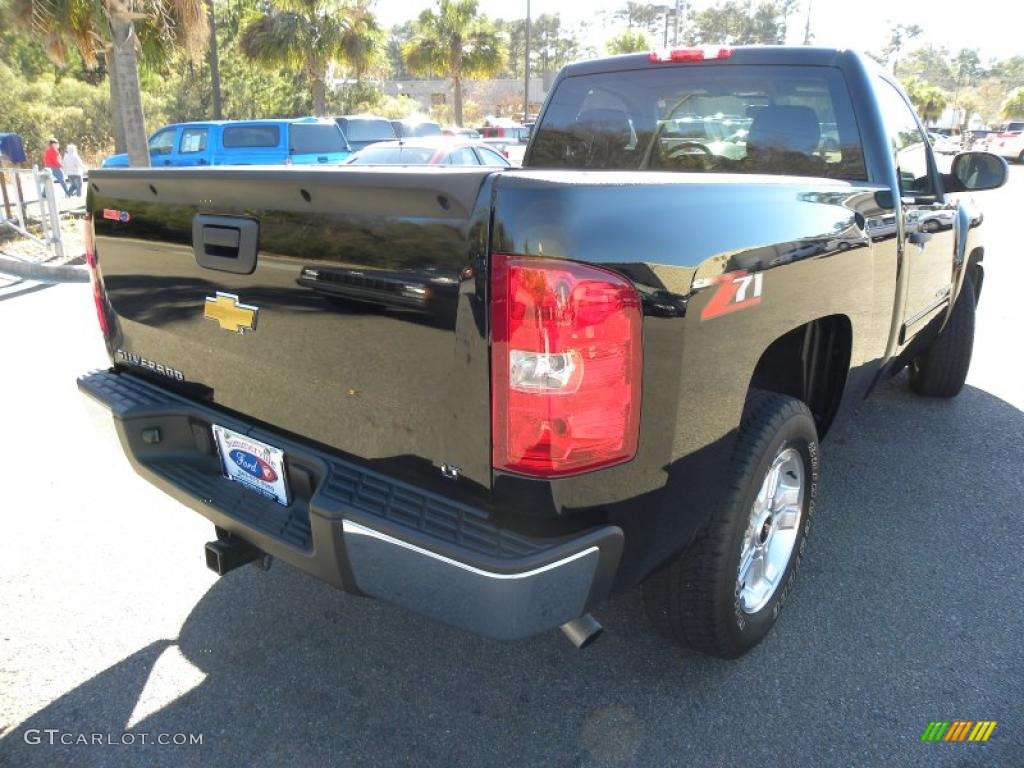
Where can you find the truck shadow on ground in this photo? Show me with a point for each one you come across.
(908, 572)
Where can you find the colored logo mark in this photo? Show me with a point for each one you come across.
(230, 313)
(958, 730)
(110, 213)
(736, 291)
(254, 465)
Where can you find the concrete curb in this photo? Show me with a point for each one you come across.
(43, 273)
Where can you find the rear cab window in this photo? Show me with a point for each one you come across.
(369, 129)
(251, 136)
(776, 119)
(316, 139)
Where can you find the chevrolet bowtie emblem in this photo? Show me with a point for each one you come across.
(230, 314)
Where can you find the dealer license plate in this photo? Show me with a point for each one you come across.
(252, 463)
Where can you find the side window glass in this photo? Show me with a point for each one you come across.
(463, 156)
(163, 142)
(909, 144)
(193, 140)
(491, 158)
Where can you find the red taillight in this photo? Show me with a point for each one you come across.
(565, 366)
(703, 53)
(98, 298)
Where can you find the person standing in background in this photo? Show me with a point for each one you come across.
(51, 159)
(75, 170)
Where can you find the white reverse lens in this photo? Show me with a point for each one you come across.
(544, 372)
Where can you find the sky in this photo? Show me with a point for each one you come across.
(992, 26)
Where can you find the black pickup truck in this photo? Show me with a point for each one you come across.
(496, 397)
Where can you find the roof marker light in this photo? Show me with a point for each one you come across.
(702, 53)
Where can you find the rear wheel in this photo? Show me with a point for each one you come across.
(724, 593)
(941, 370)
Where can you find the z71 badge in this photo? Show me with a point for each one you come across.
(736, 291)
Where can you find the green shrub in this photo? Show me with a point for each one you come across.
(71, 110)
(396, 107)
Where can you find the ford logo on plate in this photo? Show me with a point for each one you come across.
(254, 465)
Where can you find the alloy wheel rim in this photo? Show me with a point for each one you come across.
(770, 538)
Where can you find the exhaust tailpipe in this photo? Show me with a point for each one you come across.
(582, 631)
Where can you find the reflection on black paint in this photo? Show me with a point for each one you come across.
(430, 291)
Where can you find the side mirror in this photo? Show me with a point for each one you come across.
(976, 171)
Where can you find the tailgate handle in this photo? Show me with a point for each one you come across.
(225, 243)
(223, 238)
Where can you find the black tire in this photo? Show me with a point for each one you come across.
(695, 598)
(941, 370)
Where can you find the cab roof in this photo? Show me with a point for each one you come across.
(256, 121)
(796, 55)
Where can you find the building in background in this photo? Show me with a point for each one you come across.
(501, 98)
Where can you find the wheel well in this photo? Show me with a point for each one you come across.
(809, 363)
(976, 271)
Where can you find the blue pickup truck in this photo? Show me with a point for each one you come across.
(303, 141)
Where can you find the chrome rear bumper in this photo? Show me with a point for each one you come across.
(502, 605)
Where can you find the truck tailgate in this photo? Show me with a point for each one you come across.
(361, 324)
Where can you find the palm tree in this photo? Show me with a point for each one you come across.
(628, 42)
(1014, 104)
(312, 35)
(929, 100)
(455, 42)
(111, 27)
(214, 59)
(367, 42)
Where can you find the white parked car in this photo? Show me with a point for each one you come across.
(1008, 141)
(429, 150)
(944, 145)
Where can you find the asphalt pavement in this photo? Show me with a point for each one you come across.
(907, 607)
